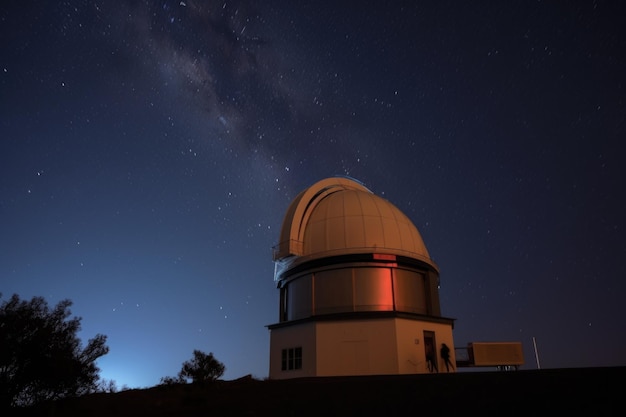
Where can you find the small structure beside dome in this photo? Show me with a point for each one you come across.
(358, 289)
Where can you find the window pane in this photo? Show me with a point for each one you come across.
(372, 289)
(283, 365)
(298, 358)
(410, 291)
(299, 298)
(333, 291)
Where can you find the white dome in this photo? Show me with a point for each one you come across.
(339, 216)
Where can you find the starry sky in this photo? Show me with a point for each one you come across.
(150, 149)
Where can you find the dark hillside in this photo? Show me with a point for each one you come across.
(591, 391)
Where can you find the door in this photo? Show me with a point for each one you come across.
(430, 351)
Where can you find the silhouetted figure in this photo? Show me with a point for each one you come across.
(430, 359)
(445, 355)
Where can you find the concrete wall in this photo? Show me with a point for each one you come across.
(388, 346)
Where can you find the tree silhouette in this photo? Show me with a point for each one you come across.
(41, 357)
(201, 369)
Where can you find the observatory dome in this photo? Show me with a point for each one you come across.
(340, 216)
(359, 294)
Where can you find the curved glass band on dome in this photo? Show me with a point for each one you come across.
(356, 289)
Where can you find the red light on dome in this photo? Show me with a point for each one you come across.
(384, 257)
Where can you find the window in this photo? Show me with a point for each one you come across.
(291, 359)
(372, 289)
(299, 296)
(333, 291)
(410, 291)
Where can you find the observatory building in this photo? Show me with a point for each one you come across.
(358, 290)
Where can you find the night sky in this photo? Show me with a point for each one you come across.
(149, 151)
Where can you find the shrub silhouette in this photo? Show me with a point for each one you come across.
(41, 357)
(201, 368)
